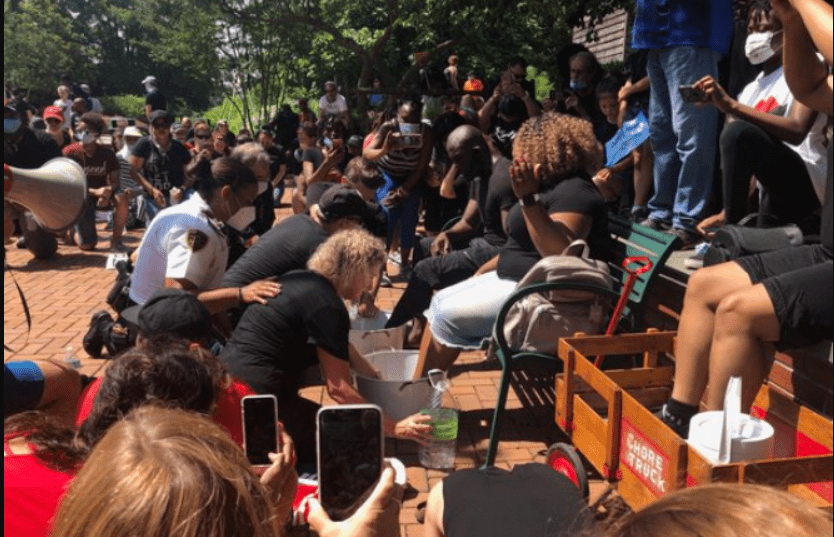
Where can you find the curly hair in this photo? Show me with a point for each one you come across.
(347, 255)
(564, 145)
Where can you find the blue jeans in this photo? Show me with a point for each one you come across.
(684, 136)
(405, 213)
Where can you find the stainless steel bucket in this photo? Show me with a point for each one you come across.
(395, 392)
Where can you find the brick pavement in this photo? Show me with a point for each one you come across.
(62, 293)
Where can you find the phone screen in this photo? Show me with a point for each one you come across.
(350, 456)
(691, 94)
(260, 429)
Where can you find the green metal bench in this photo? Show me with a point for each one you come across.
(629, 240)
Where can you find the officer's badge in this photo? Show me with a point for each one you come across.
(196, 240)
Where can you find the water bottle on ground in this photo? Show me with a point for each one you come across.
(70, 358)
(439, 453)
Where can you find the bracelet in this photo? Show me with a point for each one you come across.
(240, 296)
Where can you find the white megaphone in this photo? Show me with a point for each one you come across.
(55, 192)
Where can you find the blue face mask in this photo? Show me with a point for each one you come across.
(11, 125)
(578, 85)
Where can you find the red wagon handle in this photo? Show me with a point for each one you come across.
(634, 266)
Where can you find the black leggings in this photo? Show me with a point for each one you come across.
(747, 150)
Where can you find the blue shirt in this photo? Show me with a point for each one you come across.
(673, 23)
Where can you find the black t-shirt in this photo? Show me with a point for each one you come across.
(499, 198)
(532, 500)
(314, 155)
(503, 134)
(32, 150)
(163, 169)
(286, 247)
(274, 343)
(156, 100)
(575, 195)
(276, 159)
(827, 232)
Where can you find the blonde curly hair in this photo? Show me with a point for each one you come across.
(347, 255)
(562, 144)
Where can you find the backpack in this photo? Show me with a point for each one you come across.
(536, 322)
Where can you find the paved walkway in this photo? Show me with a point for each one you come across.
(62, 293)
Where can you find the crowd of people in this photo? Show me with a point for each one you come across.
(221, 301)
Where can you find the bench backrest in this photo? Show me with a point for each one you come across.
(630, 240)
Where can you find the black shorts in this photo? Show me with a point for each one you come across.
(800, 284)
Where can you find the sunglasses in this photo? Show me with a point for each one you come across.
(202, 136)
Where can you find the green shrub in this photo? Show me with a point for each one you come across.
(123, 105)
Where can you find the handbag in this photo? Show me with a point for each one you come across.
(536, 322)
(732, 242)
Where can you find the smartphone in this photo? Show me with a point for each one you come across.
(691, 94)
(350, 454)
(411, 136)
(260, 428)
(327, 142)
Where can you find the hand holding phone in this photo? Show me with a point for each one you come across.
(691, 94)
(350, 454)
(377, 515)
(260, 428)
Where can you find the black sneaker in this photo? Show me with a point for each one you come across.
(639, 214)
(680, 427)
(656, 225)
(94, 338)
(688, 238)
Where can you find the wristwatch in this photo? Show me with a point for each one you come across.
(529, 200)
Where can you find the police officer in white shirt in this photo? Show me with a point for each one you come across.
(185, 245)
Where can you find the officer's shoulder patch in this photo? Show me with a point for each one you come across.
(196, 240)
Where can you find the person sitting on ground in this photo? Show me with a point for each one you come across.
(43, 456)
(203, 485)
(289, 245)
(458, 253)
(732, 312)
(532, 500)
(769, 136)
(445, 191)
(404, 161)
(101, 167)
(307, 325)
(555, 155)
(185, 246)
(54, 119)
(317, 163)
(725, 511)
(158, 163)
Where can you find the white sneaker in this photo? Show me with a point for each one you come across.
(697, 261)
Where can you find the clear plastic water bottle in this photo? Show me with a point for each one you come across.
(70, 358)
(439, 453)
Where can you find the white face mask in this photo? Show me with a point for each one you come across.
(242, 218)
(759, 47)
(86, 137)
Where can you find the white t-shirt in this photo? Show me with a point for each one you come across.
(66, 110)
(336, 107)
(770, 94)
(182, 242)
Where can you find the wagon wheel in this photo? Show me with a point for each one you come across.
(564, 459)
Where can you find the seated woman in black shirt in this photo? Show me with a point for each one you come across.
(307, 325)
(559, 204)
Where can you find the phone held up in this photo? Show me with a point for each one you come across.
(260, 428)
(350, 456)
(691, 94)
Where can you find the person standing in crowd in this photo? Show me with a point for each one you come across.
(305, 114)
(95, 104)
(451, 72)
(685, 40)
(154, 99)
(54, 119)
(101, 167)
(318, 164)
(733, 311)
(333, 103)
(228, 136)
(277, 164)
(185, 246)
(65, 104)
(157, 164)
(78, 109)
(771, 136)
(28, 149)
(404, 159)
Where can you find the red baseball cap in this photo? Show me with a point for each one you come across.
(53, 112)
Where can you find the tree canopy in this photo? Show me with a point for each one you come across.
(271, 51)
